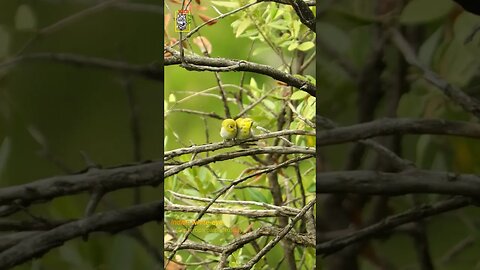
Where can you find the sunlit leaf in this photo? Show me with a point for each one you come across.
(228, 4)
(228, 220)
(299, 95)
(172, 98)
(244, 24)
(293, 46)
(306, 46)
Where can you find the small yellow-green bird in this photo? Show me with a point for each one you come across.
(229, 129)
(244, 128)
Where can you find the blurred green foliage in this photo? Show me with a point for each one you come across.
(79, 109)
(348, 28)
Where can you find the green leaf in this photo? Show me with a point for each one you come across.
(293, 46)
(312, 188)
(260, 50)
(253, 84)
(308, 111)
(296, 28)
(172, 98)
(279, 26)
(210, 237)
(256, 195)
(422, 146)
(120, 253)
(25, 18)
(299, 95)
(421, 11)
(242, 27)
(411, 105)
(272, 8)
(294, 124)
(334, 36)
(306, 46)
(427, 50)
(311, 79)
(269, 104)
(228, 4)
(279, 13)
(229, 220)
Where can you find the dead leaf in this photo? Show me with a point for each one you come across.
(249, 228)
(175, 266)
(204, 44)
(167, 238)
(207, 19)
(166, 22)
(236, 231)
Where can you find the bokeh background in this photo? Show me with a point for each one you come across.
(73, 109)
(347, 36)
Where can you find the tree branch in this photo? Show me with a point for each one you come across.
(240, 153)
(220, 145)
(256, 213)
(111, 222)
(390, 223)
(468, 103)
(109, 179)
(410, 181)
(213, 64)
(150, 71)
(391, 126)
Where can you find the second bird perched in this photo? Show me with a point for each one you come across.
(236, 129)
(244, 128)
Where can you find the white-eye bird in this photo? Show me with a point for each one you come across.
(229, 129)
(244, 128)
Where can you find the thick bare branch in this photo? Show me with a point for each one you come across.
(109, 179)
(240, 153)
(213, 64)
(220, 145)
(150, 71)
(229, 211)
(468, 103)
(111, 222)
(390, 223)
(409, 181)
(299, 239)
(390, 126)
